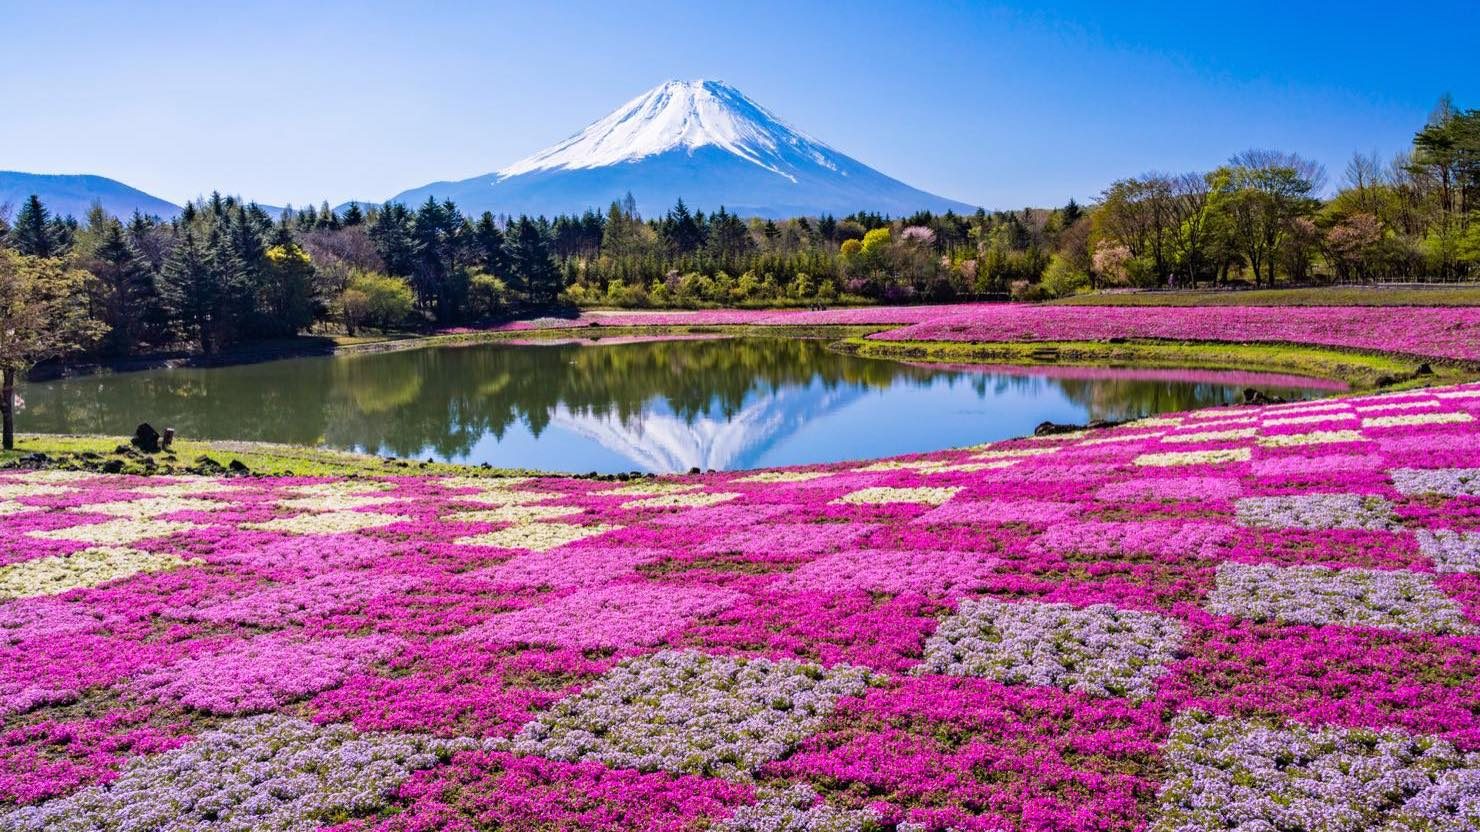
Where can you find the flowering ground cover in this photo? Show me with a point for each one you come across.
(1434, 332)
(1254, 618)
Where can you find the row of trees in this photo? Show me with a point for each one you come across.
(224, 272)
(1415, 216)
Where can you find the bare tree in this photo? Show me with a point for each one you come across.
(1269, 189)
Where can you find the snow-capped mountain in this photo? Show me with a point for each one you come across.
(702, 141)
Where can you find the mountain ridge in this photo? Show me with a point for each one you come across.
(72, 194)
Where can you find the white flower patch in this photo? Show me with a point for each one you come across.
(1316, 511)
(1098, 650)
(1155, 422)
(1228, 773)
(1014, 453)
(516, 514)
(329, 522)
(55, 574)
(1314, 418)
(687, 712)
(1213, 457)
(116, 532)
(1119, 437)
(1215, 413)
(883, 495)
(56, 477)
(1462, 393)
(1315, 437)
(340, 488)
(1305, 407)
(479, 482)
(536, 537)
(1391, 599)
(1212, 435)
(507, 498)
(336, 502)
(1451, 551)
(897, 465)
(798, 809)
(781, 477)
(1446, 482)
(968, 467)
(1069, 436)
(10, 488)
(1218, 424)
(1453, 417)
(150, 507)
(1410, 405)
(649, 489)
(9, 507)
(690, 500)
(191, 487)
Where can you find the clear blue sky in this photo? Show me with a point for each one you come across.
(996, 105)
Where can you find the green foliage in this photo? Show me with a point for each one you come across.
(1062, 279)
(377, 300)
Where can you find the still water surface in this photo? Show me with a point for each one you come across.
(658, 406)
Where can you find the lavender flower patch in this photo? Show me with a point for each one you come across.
(1316, 511)
(1451, 551)
(1229, 774)
(267, 773)
(1099, 650)
(1394, 599)
(260, 674)
(1447, 482)
(686, 712)
(798, 809)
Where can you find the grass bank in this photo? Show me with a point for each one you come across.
(1315, 296)
(113, 454)
(1361, 371)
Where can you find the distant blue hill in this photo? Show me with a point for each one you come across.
(65, 194)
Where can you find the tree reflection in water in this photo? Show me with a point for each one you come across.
(659, 404)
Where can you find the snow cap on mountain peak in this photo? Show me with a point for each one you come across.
(684, 116)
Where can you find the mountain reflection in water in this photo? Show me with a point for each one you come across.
(652, 406)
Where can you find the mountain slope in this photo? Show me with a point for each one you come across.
(75, 194)
(703, 141)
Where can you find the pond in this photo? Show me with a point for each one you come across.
(625, 404)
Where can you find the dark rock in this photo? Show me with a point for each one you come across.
(1259, 397)
(1051, 428)
(168, 439)
(1424, 370)
(695, 470)
(238, 466)
(123, 449)
(113, 466)
(146, 439)
(1385, 381)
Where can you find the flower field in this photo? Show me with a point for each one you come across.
(1434, 332)
(1246, 618)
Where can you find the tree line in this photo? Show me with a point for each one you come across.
(224, 272)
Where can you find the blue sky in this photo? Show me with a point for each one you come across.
(995, 105)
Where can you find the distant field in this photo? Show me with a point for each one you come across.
(1326, 296)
